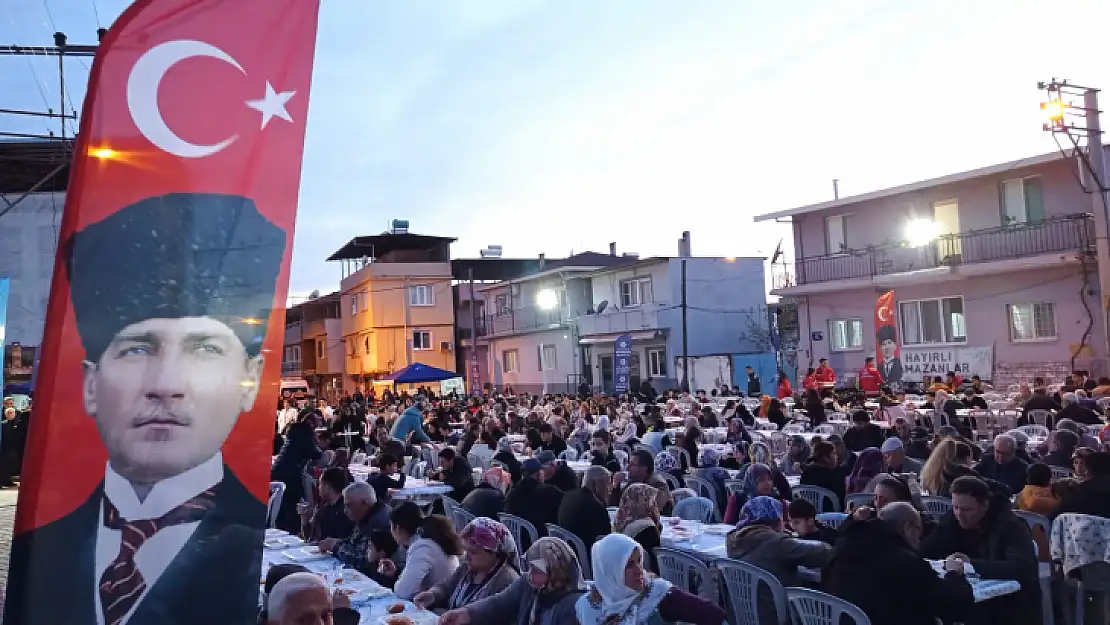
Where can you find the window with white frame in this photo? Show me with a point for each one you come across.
(510, 360)
(421, 340)
(933, 321)
(293, 355)
(845, 335)
(354, 303)
(636, 292)
(504, 304)
(657, 363)
(420, 295)
(836, 234)
(547, 357)
(1022, 201)
(1032, 322)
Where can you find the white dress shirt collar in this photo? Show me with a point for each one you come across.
(167, 494)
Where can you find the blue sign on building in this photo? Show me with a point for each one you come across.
(622, 359)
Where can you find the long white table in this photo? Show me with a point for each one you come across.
(367, 596)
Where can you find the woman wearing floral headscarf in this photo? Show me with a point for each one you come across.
(708, 470)
(622, 593)
(544, 595)
(488, 566)
(758, 481)
(638, 518)
(665, 462)
(760, 541)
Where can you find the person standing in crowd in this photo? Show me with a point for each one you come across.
(825, 376)
(870, 380)
(755, 385)
(410, 425)
(809, 380)
(784, 389)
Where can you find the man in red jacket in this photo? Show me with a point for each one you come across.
(870, 380)
(826, 377)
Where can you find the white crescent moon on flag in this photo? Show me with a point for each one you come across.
(142, 95)
(884, 314)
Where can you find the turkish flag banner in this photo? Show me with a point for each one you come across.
(888, 354)
(145, 481)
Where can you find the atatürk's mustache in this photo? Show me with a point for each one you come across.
(160, 415)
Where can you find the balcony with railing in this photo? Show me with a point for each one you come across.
(527, 319)
(644, 317)
(1071, 233)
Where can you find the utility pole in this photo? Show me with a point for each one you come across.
(1062, 109)
(408, 324)
(472, 361)
(685, 342)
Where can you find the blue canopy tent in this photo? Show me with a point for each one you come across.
(418, 373)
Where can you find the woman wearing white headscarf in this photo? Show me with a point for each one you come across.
(623, 594)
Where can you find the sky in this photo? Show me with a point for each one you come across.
(558, 126)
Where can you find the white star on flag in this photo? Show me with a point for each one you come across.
(272, 104)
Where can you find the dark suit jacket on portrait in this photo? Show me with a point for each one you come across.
(214, 579)
(891, 372)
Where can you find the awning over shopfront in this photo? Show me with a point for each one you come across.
(639, 335)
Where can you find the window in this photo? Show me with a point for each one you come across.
(845, 334)
(509, 360)
(359, 301)
(421, 340)
(657, 363)
(293, 355)
(836, 236)
(636, 292)
(504, 304)
(546, 357)
(931, 321)
(320, 348)
(366, 344)
(1022, 201)
(354, 303)
(420, 295)
(1032, 322)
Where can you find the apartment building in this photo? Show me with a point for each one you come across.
(396, 305)
(991, 272)
(313, 348)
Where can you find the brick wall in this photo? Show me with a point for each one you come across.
(1053, 372)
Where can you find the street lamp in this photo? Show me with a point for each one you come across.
(547, 299)
(920, 231)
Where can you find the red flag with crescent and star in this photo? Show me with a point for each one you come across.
(187, 100)
(887, 351)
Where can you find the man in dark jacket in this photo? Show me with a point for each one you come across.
(583, 512)
(1003, 465)
(755, 385)
(455, 472)
(1076, 411)
(876, 567)
(532, 500)
(998, 544)
(556, 472)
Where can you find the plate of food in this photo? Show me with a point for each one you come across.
(305, 554)
(409, 618)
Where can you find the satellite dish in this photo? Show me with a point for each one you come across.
(601, 306)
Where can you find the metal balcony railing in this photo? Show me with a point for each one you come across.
(523, 319)
(1071, 233)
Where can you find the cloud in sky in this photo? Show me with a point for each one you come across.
(558, 125)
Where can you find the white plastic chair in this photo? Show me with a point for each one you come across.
(937, 507)
(277, 493)
(1060, 473)
(810, 607)
(703, 489)
(670, 479)
(1034, 431)
(679, 494)
(569, 453)
(575, 543)
(461, 517)
(740, 584)
(520, 528)
(832, 519)
(686, 572)
(696, 509)
(817, 496)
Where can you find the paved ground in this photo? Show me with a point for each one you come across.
(7, 518)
